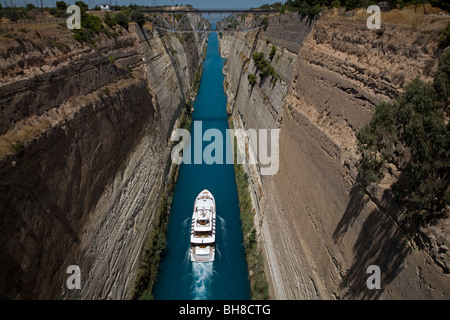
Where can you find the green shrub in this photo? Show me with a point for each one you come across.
(92, 23)
(122, 19)
(335, 4)
(18, 148)
(114, 34)
(265, 23)
(272, 52)
(80, 35)
(137, 17)
(61, 5)
(109, 21)
(264, 66)
(251, 79)
(83, 6)
(313, 11)
(60, 14)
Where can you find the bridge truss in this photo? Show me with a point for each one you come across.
(193, 21)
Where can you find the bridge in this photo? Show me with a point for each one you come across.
(179, 20)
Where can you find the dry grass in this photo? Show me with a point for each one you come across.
(23, 131)
(406, 16)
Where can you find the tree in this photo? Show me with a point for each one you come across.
(411, 132)
(92, 23)
(272, 52)
(313, 11)
(61, 5)
(83, 6)
(352, 4)
(121, 19)
(13, 15)
(445, 5)
(335, 4)
(30, 6)
(137, 17)
(441, 81)
(108, 20)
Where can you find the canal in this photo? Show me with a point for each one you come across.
(227, 276)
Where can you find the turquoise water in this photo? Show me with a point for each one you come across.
(227, 276)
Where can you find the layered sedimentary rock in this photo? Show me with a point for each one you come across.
(92, 124)
(318, 233)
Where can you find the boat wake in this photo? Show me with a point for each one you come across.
(223, 226)
(187, 256)
(202, 277)
(185, 224)
(219, 254)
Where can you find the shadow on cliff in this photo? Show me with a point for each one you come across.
(355, 205)
(27, 230)
(309, 20)
(380, 242)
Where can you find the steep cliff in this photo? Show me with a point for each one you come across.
(317, 232)
(85, 154)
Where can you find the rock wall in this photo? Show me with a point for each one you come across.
(317, 232)
(94, 123)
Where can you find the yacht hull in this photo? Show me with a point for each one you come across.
(203, 228)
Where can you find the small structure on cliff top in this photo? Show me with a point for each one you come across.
(384, 6)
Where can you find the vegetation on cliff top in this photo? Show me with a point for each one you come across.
(92, 24)
(312, 7)
(412, 132)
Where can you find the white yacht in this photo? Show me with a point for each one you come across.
(203, 228)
